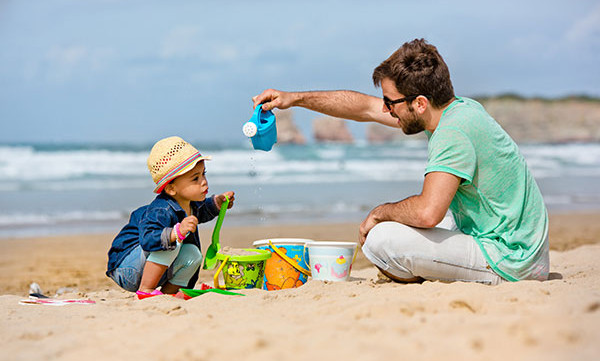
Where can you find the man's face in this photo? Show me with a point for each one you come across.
(408, 119)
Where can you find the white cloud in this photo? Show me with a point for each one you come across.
(226, 52)
(182, 41)
(67, 56)
(62, 63)
(101, 58)
(587, 29)
(191, 42)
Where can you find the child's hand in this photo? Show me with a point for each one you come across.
(220, 198)
(189, 224)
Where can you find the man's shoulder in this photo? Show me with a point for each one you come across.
(470, 118)
(464, 111)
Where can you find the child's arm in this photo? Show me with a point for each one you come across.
(156, 231)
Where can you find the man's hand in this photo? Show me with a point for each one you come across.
(425, 210)
(367, 225)
(220, 198)
(272, 98)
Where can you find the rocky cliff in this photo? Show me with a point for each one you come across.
(287, 132)
(377, 133)
(329, 129)
(539, 120)
(528, 120)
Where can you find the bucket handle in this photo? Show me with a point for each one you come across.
(256, 116)
(257, 113)
(354, 257)
(216, 277)
(289, 260)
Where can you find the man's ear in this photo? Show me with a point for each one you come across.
(170, 189)
(422, 104)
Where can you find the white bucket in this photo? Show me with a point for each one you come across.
(331, 261)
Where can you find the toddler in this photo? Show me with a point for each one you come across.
(160, 245)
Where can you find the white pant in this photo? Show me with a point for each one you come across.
(441, 253)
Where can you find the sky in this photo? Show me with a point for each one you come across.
(111, 71)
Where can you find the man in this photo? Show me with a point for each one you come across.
(474, 169)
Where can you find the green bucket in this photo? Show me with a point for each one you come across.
(242, 271)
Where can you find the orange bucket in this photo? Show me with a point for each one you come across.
(288, 266)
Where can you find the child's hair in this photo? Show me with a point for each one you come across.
(171, 157)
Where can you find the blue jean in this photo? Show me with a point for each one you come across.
(129, 272)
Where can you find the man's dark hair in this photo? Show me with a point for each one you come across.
(417, 69)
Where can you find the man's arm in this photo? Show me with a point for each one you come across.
(425, 210)
(344, 104)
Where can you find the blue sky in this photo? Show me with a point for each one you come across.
(136, 71)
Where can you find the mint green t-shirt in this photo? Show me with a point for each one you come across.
(498, 202)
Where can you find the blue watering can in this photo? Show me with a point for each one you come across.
(261, 129)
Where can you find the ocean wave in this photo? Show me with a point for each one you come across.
(56, 168)
(26, 164)
(42, 219)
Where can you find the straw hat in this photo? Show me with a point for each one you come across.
(170, 158)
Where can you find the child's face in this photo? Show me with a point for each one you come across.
(192, 186)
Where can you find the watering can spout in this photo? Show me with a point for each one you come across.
(261, 129)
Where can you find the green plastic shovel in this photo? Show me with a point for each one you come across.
(195, 293)
(210, 260)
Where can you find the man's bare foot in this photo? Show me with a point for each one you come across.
(384, 274)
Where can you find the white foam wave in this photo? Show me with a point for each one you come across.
(26, 164)
(563, 154)
(38, 219)
(24, 167)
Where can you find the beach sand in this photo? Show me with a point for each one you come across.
(366, 318)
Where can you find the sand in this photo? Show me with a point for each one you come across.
(366, 318)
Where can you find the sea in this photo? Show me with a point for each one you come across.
(59, 189)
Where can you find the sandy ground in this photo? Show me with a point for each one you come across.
(366, 318)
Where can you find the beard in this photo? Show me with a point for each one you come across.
(412, 123)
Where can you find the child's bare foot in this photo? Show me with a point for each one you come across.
(169, 288)
(146, 290)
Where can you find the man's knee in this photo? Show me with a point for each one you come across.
(391, 246)
(390, 235)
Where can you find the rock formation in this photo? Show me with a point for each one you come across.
(287, 132)
(330, 129)
(377, 133)
(540, 120)
(526, 120)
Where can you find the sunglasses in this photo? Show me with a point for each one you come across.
(388, 102)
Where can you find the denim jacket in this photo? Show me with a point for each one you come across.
(150, 226)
